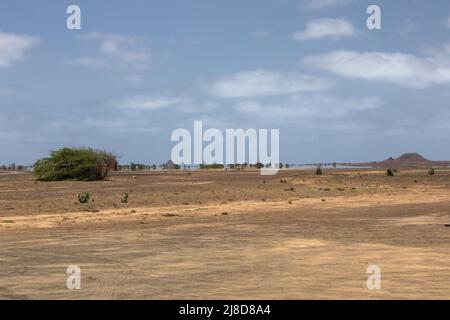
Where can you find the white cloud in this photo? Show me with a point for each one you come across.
(151, 102)
(321, 4)
(308, 106)
(406, 70)
(116, 51)
(265, 83)
(320, 28)
(13, 47)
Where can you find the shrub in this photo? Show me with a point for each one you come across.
(390, 172)
(212, 166)
(83, 197)
(431, 172)
(75, 164)
(319, 171)
(259, 165)
(124, 198)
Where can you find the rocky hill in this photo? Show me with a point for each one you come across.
(407, 160)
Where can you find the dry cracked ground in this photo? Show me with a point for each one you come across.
(228, 235)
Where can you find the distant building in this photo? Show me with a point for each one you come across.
(170, 165)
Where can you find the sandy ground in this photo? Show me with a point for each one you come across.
(228, 235)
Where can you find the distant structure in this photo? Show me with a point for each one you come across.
(169, 165)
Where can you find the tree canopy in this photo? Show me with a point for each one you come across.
(82, 164)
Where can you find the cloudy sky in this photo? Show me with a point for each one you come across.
(137, 70)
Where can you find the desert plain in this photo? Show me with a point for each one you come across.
(214, 234)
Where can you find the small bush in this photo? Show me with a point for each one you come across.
(390, 172)
(259, 165)
(211, 166)
(431, 172)
(124, 198)
(83, 197)
(319, 171)
(75, 164)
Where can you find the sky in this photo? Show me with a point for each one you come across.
(137, 70)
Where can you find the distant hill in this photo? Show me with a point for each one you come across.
(407, 160)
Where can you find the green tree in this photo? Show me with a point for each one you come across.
(75, 164)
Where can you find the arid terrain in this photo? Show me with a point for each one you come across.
(228, 235)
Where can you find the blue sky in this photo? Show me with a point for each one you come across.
(137, 70)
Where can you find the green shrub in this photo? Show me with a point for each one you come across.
(212, 166)
(259, 165)
(124, 198)
(431, 172)
(319, 171)
(75, 164)
(83, 197)
(390, 172)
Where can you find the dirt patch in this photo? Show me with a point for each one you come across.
(174, 241)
